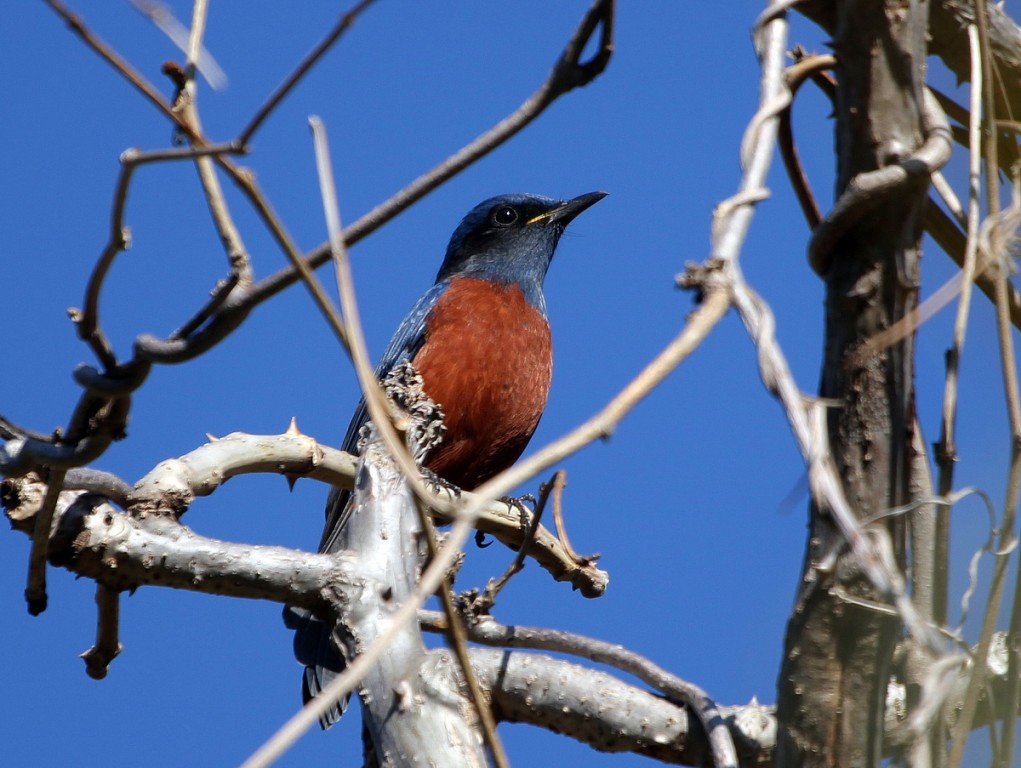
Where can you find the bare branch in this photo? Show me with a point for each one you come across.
(867, 191)
(610, 715)
(112, 57)
(124, 552)
(805, 67)
(172, 486)
(485, 602)
(343, 24)
(488, 631)
(107, 647)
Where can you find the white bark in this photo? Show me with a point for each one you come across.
(414, 716)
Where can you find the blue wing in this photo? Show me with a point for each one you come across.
(404, 345)
(311, 638)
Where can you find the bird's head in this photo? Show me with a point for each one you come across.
(511, 239)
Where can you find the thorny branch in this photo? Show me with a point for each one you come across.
(469, 508)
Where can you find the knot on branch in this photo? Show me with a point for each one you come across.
(22, 498)
(702, 278)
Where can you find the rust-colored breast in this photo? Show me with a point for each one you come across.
(487, 360)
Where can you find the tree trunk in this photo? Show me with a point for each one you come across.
(838, 651)
(414, 710)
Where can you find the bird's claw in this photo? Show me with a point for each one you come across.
(525, 505)
(437, 483)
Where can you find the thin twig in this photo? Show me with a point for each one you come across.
(559, 483)
(88, 319)
(278, 95)
(946, 448)
(187, 106)
(195, 35)
(487, 599)
(795, 75)
(112, 57)
(218, 298)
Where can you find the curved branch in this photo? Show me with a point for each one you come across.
(609, 714)
(488, 631)
(868, 191)
(107, 420)
(805, 67)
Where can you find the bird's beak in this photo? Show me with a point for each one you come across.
(568, 209)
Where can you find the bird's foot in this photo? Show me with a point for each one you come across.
(525, 505)
(437, 483)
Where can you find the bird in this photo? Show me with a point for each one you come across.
(480, 339)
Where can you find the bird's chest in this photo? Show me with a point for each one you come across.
(488, 361)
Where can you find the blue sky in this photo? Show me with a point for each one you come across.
(697, 502)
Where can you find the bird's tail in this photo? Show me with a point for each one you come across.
(312, 648)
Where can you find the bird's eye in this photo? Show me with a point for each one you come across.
(505, 216)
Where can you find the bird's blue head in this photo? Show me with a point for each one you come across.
(511, 239)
